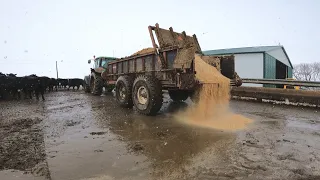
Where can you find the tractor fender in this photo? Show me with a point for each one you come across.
(87, 79)
(93, 76)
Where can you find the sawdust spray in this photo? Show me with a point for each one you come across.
(212, 108)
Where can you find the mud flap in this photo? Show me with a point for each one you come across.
(87, 80)
(186, 81)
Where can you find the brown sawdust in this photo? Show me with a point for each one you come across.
(212, 109)
(143, 51)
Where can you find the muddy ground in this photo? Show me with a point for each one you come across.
(73, 135)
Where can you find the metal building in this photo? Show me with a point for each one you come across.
(261, 62)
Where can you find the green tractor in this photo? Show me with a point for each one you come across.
(94, 83)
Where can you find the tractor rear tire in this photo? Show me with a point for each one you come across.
(96, 85)
(123, 91)
(178, 95)
(147, 95)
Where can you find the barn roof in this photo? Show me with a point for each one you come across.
(245, 50)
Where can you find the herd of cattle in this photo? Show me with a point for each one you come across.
(13, 86)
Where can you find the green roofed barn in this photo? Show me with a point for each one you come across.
(268, 62)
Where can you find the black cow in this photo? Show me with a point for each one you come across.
(33, 83)
(63, 83)
(11, 84)
(46, 81)
(3, 78)
(12, 75)
(14, 85)
(53, 84)
(76, 82)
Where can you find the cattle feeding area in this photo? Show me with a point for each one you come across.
(14, 87)
(74, 135)
(169, 116)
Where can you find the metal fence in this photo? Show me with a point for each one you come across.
(282, 82)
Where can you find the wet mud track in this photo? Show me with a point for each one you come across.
(73, 135)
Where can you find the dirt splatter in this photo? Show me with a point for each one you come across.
(212, 109)
(98, 133)
(136, 148)
(98, 150)
(72, 123)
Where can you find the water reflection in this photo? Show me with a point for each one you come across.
(168, 145)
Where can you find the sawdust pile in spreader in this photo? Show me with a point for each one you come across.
(144, 51)
(212, 109)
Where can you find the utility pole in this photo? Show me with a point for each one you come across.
(57, 68)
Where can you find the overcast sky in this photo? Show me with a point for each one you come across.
(35, 34)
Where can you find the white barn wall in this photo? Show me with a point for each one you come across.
(280, 56)
(249, 66)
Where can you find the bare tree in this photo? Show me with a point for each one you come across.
(316, 71)
(303, 72)
(307, 72)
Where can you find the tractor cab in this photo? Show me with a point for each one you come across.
(93, 82)
(101, 62)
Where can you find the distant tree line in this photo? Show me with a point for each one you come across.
(307, 71)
